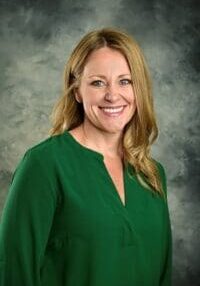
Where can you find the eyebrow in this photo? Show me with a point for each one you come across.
(103, 76)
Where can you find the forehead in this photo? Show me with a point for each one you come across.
(106, 58)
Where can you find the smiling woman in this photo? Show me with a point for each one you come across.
(88, 205)
(106, 93)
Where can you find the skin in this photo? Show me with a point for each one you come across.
(105, 82)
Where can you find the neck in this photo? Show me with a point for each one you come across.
(109, 144)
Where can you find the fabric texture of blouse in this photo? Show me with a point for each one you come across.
(64, 224)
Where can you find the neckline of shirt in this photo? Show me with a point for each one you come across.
(89, 151)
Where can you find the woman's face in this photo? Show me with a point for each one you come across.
(106, 91)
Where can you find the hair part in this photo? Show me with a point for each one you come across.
(141, 131)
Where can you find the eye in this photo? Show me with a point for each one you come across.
(125, 81)
(98, 83)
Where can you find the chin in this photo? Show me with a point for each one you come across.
(112, 130)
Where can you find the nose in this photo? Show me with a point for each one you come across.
(111, 93)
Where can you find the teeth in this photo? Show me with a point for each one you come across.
(112, 109)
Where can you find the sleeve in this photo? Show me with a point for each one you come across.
(166, 274)
(26, 221)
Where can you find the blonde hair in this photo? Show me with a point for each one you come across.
(141, 131)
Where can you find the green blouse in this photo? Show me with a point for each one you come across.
(64, 224)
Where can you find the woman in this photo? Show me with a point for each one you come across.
(88, 205)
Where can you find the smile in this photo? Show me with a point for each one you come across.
(113, 111)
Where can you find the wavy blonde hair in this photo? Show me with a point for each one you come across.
(141, 131)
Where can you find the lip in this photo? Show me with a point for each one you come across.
(110, 106)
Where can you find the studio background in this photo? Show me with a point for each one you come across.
(36, 40)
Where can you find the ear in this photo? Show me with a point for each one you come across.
(78, 96)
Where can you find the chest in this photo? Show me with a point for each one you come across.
(90, 205)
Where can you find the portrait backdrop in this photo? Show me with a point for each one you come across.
(37, 37)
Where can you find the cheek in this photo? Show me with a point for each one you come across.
(131, 97)
(90, 103)
(92, 98)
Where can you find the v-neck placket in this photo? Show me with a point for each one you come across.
(112, 198)
(123, 204)
(99, 156)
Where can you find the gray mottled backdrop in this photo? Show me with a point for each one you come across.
(36, 39)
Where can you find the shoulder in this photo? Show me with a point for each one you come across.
(41, 155)
(161, 169)
(44, 146)
(162, 174)
(45, 149)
